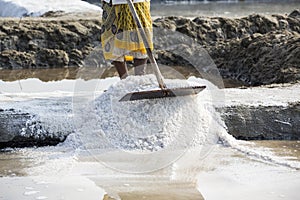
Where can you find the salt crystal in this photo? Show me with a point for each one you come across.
(41, 198)
(28, 193)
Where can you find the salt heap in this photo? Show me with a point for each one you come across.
(147, 125)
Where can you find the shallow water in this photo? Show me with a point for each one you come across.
(34, 173)
(57, 74)
(23, 162)
(290, 149)
(222, 8)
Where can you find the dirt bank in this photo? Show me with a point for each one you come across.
(256, 49)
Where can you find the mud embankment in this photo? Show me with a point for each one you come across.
(255, 50)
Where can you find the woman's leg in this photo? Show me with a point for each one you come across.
(139, 66)
(121, 68)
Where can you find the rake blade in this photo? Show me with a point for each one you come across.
(162, 93)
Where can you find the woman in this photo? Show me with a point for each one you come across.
(120, 37)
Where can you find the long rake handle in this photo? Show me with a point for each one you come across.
(154, 65)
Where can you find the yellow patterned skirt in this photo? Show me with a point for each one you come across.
(119, 33)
